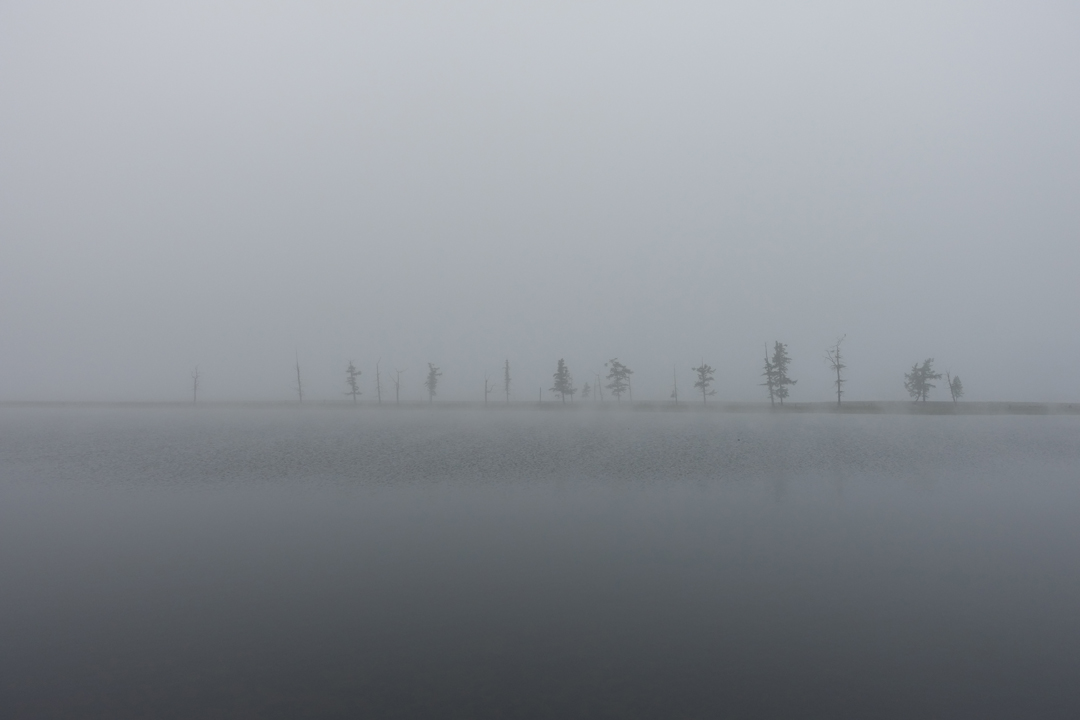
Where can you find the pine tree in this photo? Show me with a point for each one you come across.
(351, 373)
(704, 380)
(564, 383)
(432, 381)
(780, 379)
(770, 377)
(619, 375)
(586, 391)
(917, 382)
(956, 388)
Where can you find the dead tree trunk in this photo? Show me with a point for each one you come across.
(833, 356)
(378, 382)
(299, 384)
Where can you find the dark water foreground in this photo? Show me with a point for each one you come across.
(326, 563)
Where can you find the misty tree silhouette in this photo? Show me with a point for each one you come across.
(397, 386)
(564, 383)
(299, 384)
(506, 380)
(619, 375)
(956, 388)
(917, 382)
(704, 380)
(351, 373)
(432, 381)
(832, 354)
(779, 380)
(770, 377)
(378, 382)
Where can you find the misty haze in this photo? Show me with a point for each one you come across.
(539, 359)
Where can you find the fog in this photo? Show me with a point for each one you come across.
(229, 185)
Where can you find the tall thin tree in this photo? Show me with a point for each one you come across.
(836, 362)
(506, 380)
(704, 380)
(619, 375)
(780, 362)
(675, 385)
(378, 382)
(397, 386)
(195, 385)
(351, 375)
(299, 383)
(770, 377)
(564, 383)
(432, 381)
(488, 388)
(956, 388)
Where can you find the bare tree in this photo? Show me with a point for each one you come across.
(351, 373)
(704, 380)
(599, 388)
(506, 380)
(488, 388)
(397, 386)
(378, 382)
(299, 384)
(832, 354)
(432, 381)
(195, 385)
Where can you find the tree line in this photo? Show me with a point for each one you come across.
(617, 381)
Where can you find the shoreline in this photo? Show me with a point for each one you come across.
(853, 407)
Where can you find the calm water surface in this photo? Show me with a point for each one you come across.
(237, 563)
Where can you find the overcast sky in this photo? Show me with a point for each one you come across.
(225, 184)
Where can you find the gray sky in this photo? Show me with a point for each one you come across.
(224, 183)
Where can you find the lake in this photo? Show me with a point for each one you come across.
(355, 562)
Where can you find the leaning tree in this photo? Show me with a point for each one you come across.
(956, 388)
